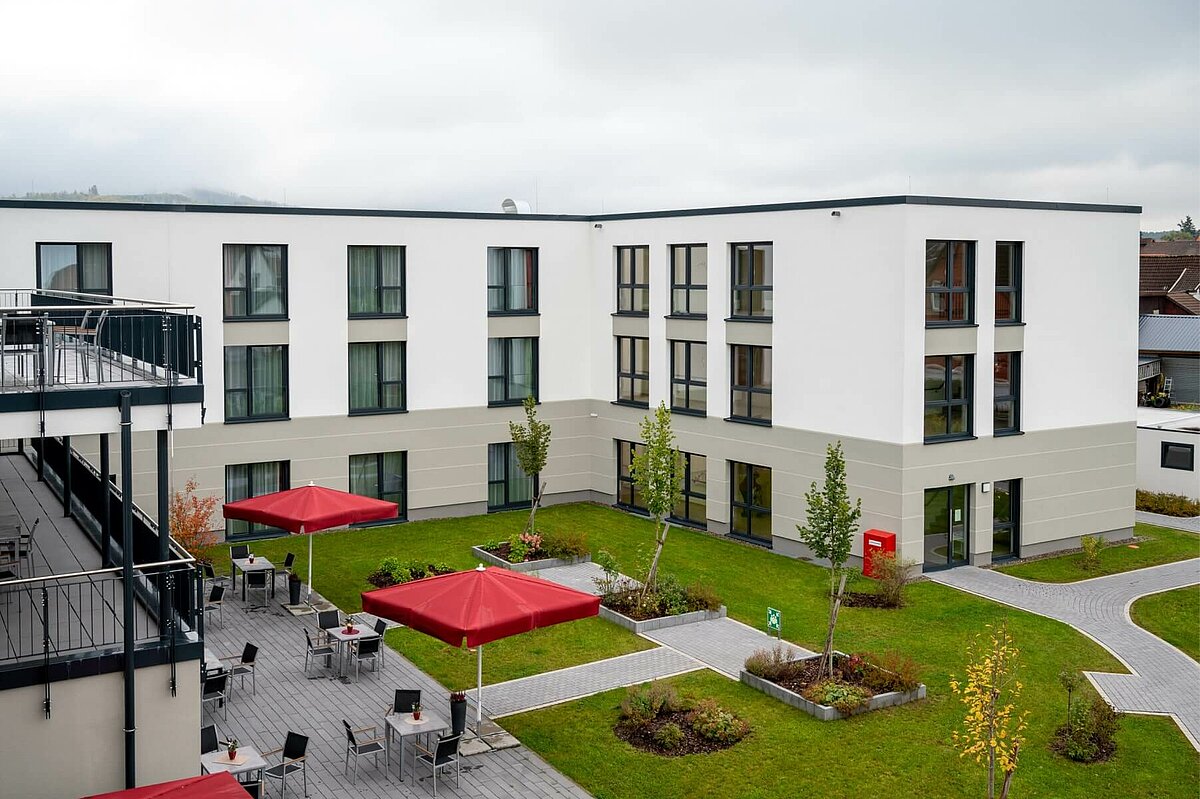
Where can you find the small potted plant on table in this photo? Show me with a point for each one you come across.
(231, 747)
(417, 712)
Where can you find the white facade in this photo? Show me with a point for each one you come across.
(848, 339)
(1165, 439)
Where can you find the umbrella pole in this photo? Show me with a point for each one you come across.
(479, 692)
(309, 564)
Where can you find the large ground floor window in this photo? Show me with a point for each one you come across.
(245, 480)
(508, 486)
(946, 526)
(382, 475)
(1006, 517)
(750, 501)
(693, 475)
(628, 495)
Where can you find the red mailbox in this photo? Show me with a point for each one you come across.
(876, 541)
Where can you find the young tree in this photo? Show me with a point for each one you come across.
(829, 532)
(190, 518)
(655, 473)
(532, 443)
(991, 726)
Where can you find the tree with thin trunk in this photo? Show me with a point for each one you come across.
(532, 443)
(991, 728)
(655, 473)
(829, 532)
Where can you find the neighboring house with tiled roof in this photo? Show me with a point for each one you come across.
(1161, 249)
(1169, 284)
(1174, 342)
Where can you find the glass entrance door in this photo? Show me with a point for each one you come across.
(946, 526)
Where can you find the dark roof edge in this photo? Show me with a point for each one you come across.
(899, 199)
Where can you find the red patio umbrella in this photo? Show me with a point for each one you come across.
(309, 509)
(480, 606)
(207, 786)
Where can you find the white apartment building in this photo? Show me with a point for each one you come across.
(973, 356)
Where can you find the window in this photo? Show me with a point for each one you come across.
(1006, 503)
(750, 385)
(255, 281)
(86, 268)
(947, 397)
(246, 480)
(633, 370)
(382, 475)
(377, 377)
(628, 495)
(512, 280)
(633, 280)
(750, 502)
(1008, 282)
(512, 370)
(689, 377)
(1006, 416)
(1178, 456)
(689, 280)
(692, 506)
(508, 486)
(949, 282)
(752, 275)
(376, 281)
(256, 382)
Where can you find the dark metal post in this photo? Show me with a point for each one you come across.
(105, 499)
(66, 477)
(127, 578)
(164, 531)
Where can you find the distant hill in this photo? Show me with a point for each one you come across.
(201, 196)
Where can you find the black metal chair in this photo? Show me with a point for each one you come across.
(365, 649)
(216, 689)
(293, 758)
(311, 653)
(208, 739)
(405, 700)
(368, 746)
(380, 629)
(215, 602)
(327, 620)
(443, 755)
(257, 581)
(240, 666)
(211, 575)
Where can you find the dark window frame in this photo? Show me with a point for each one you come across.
(689, 380)
(1014, 395)
(506, 370)
(402, 510)
(748, 505)
(750, 390)
(255, 529)
(1013, 290)
(249, 389)
(629, 372)
(947, 292)
(767, 289)
(504, 286)
(625, 476)
(689, 285)
(506, 481)
(247, 289)
(629, 289)
(687, 496)
(1013, 525)
(948, 403)
(76, 244)
(379, 286)
(380, 383)
(1190, 449)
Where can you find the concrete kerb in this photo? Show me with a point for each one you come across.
(528, 566)
(824, 712)
(662, 622)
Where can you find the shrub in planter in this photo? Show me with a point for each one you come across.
(892, 575)
(840, 696)
(1090, 735)
(522, 546)
(712, 722)
(774, 664)
(1167, 504)
(393, 571)
(643, 703)
(890, 671)
(669, 736)
(702, 596)
(565, 545)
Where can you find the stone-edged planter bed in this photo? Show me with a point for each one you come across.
(527, 566)
(662, 622)
(825, 712)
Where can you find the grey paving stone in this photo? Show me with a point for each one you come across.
(1163, 681)
(721, 644)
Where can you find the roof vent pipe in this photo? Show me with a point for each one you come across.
(510, 206)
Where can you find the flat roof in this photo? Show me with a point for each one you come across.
(1167, 419)
(858, 202)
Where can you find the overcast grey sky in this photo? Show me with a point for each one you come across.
(606, 106)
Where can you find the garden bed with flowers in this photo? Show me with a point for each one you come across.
(527, 552)
(654, 718)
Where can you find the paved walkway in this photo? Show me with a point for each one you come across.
(1163, 680)
(1190, 524)
(721, 644)
(576, 682)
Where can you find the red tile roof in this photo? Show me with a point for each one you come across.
(1166, 273)
(1185, 301)
(1169, 248)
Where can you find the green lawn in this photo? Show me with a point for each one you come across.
(906, 750)
(1173, 616)
(1162, 545)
